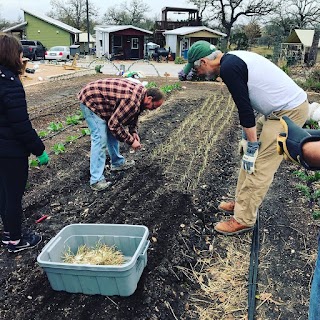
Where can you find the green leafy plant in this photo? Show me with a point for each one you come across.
(151, 85)
(171, 87)
(316, 215)
(179, 60)
(43, 134)
(85, 132)
(71, 139)
(309, 190)
(53, 126)
(304, 189)
(80, 115)
(98, 68)
(58, 148)
(75, 119)
(312, 124)
(286, 69)
(33, 163)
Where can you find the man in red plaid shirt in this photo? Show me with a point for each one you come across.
(111, 108)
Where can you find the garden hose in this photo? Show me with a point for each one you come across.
(253, 270)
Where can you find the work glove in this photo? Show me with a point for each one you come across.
(243, 144)
(43, 159)
(250, 156)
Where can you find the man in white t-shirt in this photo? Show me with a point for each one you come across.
(256, 84)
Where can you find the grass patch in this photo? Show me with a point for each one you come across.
(262, 50)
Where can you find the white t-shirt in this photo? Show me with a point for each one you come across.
(257, 83)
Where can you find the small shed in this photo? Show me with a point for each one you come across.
(181, 39)
(121, 41)
(83, 42)
(297, 46)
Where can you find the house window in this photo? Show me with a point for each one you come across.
(135, 43)
(117, 41)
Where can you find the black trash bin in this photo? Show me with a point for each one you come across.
(74, 49)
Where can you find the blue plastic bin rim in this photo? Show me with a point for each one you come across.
(141, 250)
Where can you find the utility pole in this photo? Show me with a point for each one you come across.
(88, 26)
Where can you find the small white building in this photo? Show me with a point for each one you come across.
(181, 39)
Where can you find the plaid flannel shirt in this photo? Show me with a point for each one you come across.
(118, 101)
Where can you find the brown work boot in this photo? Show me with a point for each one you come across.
(227, 206)
(231, 227)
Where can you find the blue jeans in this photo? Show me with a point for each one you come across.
(314, 308)
(101, 139)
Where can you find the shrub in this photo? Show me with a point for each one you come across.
(151, 84)
(312, 82)
(315, 74)
(98, 68)
(179, 60)
(170, 87)
(312, 124)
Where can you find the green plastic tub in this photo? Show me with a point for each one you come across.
(121, 280)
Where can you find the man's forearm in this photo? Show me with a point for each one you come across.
(251, 133)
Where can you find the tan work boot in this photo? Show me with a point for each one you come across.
(227, 206)
(231, 227)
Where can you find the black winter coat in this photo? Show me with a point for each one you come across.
(17, 137)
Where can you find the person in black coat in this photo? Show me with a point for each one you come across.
(18, 140)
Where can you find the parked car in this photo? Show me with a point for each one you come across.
(58, 53)
(33, 49)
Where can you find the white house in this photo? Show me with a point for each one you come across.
(181, 39)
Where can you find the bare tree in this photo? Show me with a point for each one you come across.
(252, 31)
(312, 57)
(116, 16)
(201, 5)
(227, 12)
(73, 12)
(134, 13)
(291, 15)
(305, 13)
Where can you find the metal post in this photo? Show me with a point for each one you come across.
(88, 26)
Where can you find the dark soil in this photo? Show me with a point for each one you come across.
(160, 193)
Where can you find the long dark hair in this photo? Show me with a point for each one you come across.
(10, 50)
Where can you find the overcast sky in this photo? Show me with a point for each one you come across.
(11, 9)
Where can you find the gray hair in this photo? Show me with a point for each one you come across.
(211, 56)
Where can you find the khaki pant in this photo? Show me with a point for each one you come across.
(252, 188)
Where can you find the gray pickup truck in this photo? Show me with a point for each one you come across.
(33, 49)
